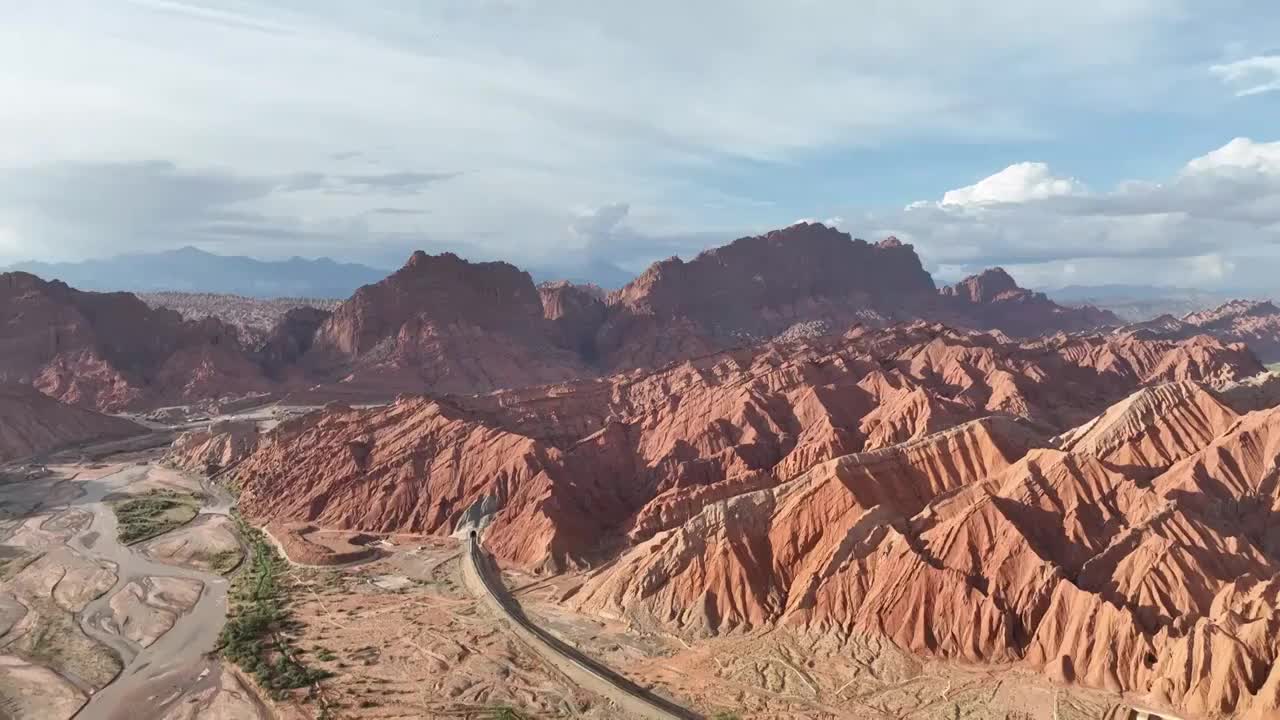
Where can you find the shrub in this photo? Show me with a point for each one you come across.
(256, 617)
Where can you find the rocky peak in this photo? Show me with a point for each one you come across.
(983, 287)
(780, 268)
(443, 289)
(562, 298)
(419, 258)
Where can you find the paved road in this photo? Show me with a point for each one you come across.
(482, 579)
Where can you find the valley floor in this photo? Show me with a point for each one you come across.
(405, 637)
(95, 628)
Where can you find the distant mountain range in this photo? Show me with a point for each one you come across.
(1136, 303)
(192, 270)
(589, 272)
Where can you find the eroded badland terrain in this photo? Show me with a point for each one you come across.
(790, 478)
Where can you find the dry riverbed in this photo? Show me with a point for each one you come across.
(96, 626)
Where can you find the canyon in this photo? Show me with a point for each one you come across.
(795, 444)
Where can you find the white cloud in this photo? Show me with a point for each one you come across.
(1211, 268)
(599, 221)
(1251, 76)
(1201, 226)
(1239, 154)
(1017, 183)
(9, 240)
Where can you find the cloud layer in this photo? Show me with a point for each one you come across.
(621, 133)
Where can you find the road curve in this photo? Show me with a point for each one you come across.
(479, 574)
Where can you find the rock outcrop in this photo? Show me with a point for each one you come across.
(289, 339)
(220, 446)
(576, 313)
(32, 423)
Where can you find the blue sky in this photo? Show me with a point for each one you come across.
(1141, 137)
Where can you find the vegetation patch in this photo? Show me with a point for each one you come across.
(504, 712)
(257, 636)
(221, 562)
(159, 511)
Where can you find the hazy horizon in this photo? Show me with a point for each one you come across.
(615, 277)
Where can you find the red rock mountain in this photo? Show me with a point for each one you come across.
(444, 325)
(755, 288)
(1141, 555)
(1247, 321)
(992, 300)
(625, 456)
(31, 423)
(903, 482)
(111, 351)
(214, 448)
(805, 280)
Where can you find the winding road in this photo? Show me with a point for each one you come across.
(483, 580)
